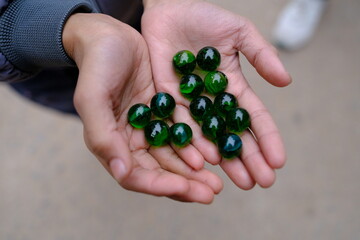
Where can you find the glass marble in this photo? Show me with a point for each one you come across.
(139, 115)
(208, 58)
(225, 102)
(201, 107)
(157, 133)
(238, 120)
(181, 134)
(162, 105)
(191, 86)
(229, 145)
(215, 82)
(213, 127)
(184, 62)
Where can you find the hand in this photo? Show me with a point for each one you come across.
(115, 74)
(171, 26)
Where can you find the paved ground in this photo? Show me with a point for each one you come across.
(52, 188)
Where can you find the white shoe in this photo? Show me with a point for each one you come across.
(297, 23)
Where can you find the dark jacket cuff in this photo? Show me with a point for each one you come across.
(31, 32)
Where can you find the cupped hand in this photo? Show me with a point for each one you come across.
(171, 26)
(115, 74)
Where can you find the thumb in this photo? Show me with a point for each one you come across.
(107, 144)
(262, 55)
(118, 169)
(120, 163)
(104, 136)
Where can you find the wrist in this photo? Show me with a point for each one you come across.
(70, 35)
(82, 31)
(92, 36)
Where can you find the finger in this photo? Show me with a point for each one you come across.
(238, 173)
(101, 131)
(148, 177)
(112, 150)
(171, 162)
(190, 155)
(159, 182)
(207, 149)
(156, 182)
(261, 54)
(103, 139)
(198, 193)
(264, 128)
(255, 163)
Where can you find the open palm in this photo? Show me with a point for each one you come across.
(171, 26)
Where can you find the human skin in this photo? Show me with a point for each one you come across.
(172, 25)
(119, 67)
(114, 74)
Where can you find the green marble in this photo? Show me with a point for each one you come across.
(208, 58)
(215, 82)
(184, 62)
(181, 134)
(201, 107)
(238, 120)
(213, 127)
(191, 86)
(162, 105)
(157, 133)
(229, 145)
(139, 115)
(224, 102)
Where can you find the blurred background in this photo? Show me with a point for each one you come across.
(51, 187)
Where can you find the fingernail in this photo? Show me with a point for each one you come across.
(118, 169)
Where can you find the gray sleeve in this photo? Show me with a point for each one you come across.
(9, 73)
(31, 32)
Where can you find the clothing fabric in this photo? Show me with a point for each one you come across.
(7, 71)
(32, 58)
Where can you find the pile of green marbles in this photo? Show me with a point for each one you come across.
(157, 131)
(221, 119)
(218, 113)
